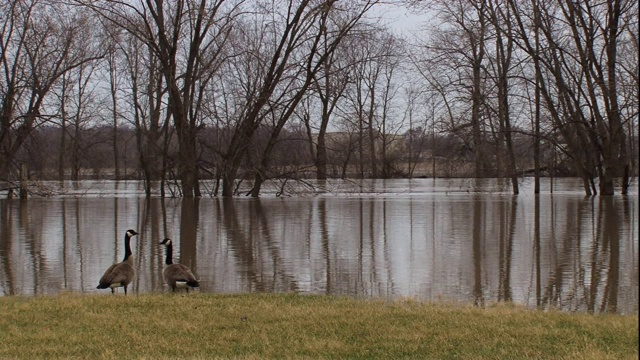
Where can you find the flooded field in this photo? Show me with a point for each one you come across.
(456, 240)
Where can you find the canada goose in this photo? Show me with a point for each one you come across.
(177, 275)
(120, 274)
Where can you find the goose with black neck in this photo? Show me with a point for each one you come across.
(120, 274)
(177, 276)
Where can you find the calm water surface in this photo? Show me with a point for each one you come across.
(456, 240)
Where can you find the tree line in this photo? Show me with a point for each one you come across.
(185, 90)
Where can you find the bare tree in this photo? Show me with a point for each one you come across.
(579, 82)
(40, 42)
(453, 64)
(329, 85)
(188, 37)
(146, 98)
(280, 47)
(81, 116)
(375, 60)
(114, 79)
(64, 85)
(598, 50)
(389, 125)
(224, 88)
(499, 16)
(327, 27)
(475, 30)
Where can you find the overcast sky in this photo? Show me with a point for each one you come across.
(401, 19)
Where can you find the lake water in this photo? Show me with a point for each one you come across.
(453, 240)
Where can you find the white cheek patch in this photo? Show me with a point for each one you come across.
(181, 284)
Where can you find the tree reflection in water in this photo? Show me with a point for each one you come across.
(562, 251)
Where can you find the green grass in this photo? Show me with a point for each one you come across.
(205, 326)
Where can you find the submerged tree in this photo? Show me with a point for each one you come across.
(40, 42)
(319, 35)
(569, 51)
(579, 82)
(188, 38)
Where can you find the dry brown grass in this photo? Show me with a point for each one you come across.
(205, 326)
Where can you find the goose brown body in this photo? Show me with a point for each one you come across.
(120, 274)
(177, 275)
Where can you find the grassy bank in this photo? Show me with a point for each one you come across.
(207, 326)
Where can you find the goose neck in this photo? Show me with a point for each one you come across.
(169, 257)
(127, 249)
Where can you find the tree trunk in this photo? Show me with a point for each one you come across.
(321, 157)
(502, 23)
(187, 156)
(24, 181)
(63, 131)
(321, 146)
(536, 125)
(114, 113)
(228, 179)
(615, 154)
(477, 47)
(372, 135)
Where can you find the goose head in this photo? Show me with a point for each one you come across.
(166, 242)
